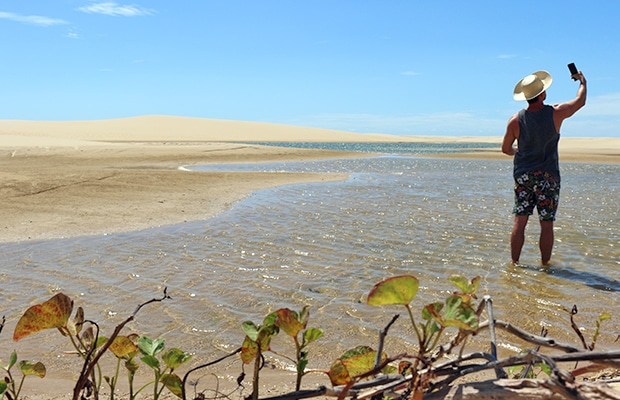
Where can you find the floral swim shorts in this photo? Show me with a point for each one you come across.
(537, 189)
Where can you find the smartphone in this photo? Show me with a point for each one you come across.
(572, 69)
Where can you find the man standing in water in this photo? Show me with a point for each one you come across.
(536, 129)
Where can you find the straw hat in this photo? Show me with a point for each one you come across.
(532, 85)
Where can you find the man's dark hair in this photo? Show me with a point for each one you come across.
(534, 100)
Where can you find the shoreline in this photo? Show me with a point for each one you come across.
(78, 178)
(64, 192)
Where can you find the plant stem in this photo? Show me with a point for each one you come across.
(257, 362)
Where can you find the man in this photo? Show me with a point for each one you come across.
(536, 129)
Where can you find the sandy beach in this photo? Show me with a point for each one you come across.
(64, 179)
(67, 179)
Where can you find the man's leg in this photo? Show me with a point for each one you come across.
(517, 237)
(546, 241)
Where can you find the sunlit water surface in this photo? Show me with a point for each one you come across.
(325, 245)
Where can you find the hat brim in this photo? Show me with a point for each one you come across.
(546, 80)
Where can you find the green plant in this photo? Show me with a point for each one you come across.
(258, 339)
(528, 371)
(9, 385)
(125, 349)
(172, 359)
(256, 342)
(457, 311)
(354, 363)
(293, 323)
(56, 313)
(602, 317)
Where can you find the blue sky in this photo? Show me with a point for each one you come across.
(396, 67)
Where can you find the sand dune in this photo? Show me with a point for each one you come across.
(157, 128)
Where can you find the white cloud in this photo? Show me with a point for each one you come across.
(32, 19)
(115, 10)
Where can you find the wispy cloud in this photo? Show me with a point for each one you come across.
(116, 10)
(410, 73)
(32, 19)
(506, 56)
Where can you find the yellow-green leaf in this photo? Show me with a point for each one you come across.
(123, 345)
(32, 368)
(249, 348)
(467, 287)
(394, 290)
(288, 322)
(338, 373)
(174, 358)
(54, 313)
(173, 383)
(353, 362)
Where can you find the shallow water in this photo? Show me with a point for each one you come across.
(325, 245)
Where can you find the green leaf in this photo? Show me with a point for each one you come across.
(174, 358)
(435, 307)
(312, 334)
(267, 332)
(151, 362)
(149, 346)
(54, 313)
(3, 388)
(173, 383)
(604, 317)
(459, 314)
(466, 287)
(430, 328)
(545, 368)
(101, 340)
(32, 368)
(251, 330)
(12, 361)
(301, 365)
(270, 320)
(394, 290)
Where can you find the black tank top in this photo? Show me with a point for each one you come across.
(537, 143)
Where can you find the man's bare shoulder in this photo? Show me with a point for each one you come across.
(514, 119)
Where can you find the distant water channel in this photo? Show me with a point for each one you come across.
(326, 244)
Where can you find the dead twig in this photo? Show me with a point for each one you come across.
(90, 364)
